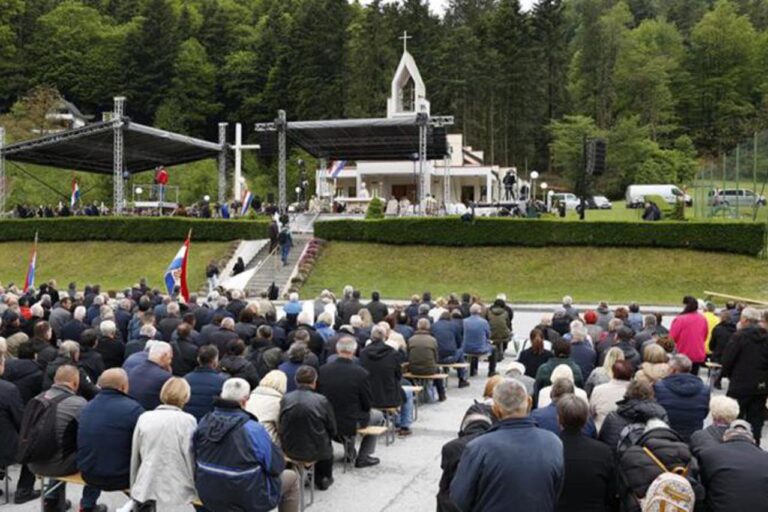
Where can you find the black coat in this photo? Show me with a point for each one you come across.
(92, 362)
(745, 363)
(383, 365)
(184, 357)
(706, 438)
(348, 308)
(45, 351)
(246, 332)
(721, 335)
(735, 475)
(112, 351)
(11, 411)
(451, 455)
(346, 385)
(307, 426)
(167, 325)
(316, 341)
(637, 470)
(378, 310)
(26, 375)
(628, 411)
(87, 389)
(589, 475)
(72, 330)
(239, 366)
(219, 338)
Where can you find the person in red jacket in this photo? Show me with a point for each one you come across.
(161, 180)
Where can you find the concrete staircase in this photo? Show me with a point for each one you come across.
(270, 269)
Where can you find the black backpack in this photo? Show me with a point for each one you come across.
(37, 439)
(282, 237)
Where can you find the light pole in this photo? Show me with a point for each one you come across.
(534, 177)
(544, 187)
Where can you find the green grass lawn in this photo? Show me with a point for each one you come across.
(114, 265)
(649, 276)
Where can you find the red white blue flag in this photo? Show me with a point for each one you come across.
(75, 196)
(336, 167)
(247, 199)
(176, 273)
(29, 281)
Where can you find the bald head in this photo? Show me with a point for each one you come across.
(67, 375)
(114, 378)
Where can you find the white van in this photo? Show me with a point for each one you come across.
(635, 195)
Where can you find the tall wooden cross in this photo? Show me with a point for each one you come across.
(405, 37)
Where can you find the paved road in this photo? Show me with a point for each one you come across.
(408, 476)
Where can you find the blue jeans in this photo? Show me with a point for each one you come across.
(284, 250)
(457, 357)
(405, 418)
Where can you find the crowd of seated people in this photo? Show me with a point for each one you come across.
(633, 437)
(590, 396)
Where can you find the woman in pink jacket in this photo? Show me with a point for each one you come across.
(689, 330)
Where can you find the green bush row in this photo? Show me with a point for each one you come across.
(741, 237)
(131, 229)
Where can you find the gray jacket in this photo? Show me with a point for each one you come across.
(67, 421)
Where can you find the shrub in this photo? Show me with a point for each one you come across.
(131, 229)
(375, 209)
(736, 237)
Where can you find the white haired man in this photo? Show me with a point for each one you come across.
(112, 350)
(514, 462)
(229, 444)
(745, 363)
(477, 340)
(147, 378)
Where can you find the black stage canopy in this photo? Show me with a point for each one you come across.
(359, 139)
(90, 148)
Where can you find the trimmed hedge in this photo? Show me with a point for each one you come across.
(736, 237)
(131, 229)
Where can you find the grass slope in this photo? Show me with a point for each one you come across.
(657, 276)
(114, 265)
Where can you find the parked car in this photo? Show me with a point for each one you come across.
(570, 200)
(600, 203)
(734, 197)
(636, 194)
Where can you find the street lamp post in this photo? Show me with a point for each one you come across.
(534, 177)
(544, 187)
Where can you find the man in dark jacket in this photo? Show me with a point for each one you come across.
(449, 338)
(307, 426)
(625, 342)
(41, 343)
(384, 364)
(307, 334)
(347, 386)
(228, 440)
(69, 354)
(513, 463)
(378, 309)
(90, 360)
(745, 363)
(205, 382)
(547, 417)
(235, 364)
(589, 467)
(735, 472)
(112, 350)
(422, 355)
(72, 329)
(684, 396)
(721, 335)
(11, 412)
(147, 378)
(350, 307)
(146, 333)
(184, 351)
(171, 321)
(105, 434)
(25, 373)
(473, 425)
(222, 335)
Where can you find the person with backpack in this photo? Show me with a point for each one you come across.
(48, 439)
(647, 451)
(286, 243)
(11, 412)
(230, 444)
(638, 406)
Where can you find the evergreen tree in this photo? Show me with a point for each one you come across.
(151, 51)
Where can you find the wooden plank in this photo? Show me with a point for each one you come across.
(708, 295)
(455, 366)
(434, 376)
(372, 430)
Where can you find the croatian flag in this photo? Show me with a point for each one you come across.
(29, 281)
(75, 197)
(247, 199)
(176, 273)
(337, 167)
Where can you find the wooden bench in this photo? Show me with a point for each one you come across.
(370, 430)
(389, 414)
(423, 381)
(454, 366)
(75, 479)
(306, 471)
(416, 390)
(710, 295)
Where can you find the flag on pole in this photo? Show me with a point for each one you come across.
(337, 167)
(176, 273)
(247, 200)
(29, 281)
(75, 197)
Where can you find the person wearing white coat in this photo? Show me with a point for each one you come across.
(264, 402)
(605, 396)
(162, 461)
